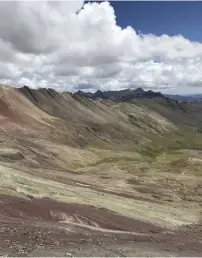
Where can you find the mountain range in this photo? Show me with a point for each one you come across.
(128, 94)
(122, 95)
(103, 171)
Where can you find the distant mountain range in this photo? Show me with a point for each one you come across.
(122, 95)
(189, 98)
(139, 93)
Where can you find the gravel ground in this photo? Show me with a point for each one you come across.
(43, 227)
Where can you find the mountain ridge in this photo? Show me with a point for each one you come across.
(121, 95)
(129, 94)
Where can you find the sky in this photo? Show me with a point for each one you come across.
(172, 18)
(76, 45)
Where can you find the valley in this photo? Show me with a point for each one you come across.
(83, 176)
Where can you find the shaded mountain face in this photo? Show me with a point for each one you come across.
(122, 95)
(85, 94)
(128, 94)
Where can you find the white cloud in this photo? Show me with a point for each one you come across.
(47, 44)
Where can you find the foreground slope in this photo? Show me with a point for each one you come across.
(98, 168)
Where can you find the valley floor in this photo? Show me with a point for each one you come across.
(98, 209)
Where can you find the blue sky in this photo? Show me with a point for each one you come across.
(162, 17)
(159, 18)
(171, 18)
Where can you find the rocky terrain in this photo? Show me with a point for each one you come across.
(99, 176)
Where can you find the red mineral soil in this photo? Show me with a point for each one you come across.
(18, 116)
(45, 227)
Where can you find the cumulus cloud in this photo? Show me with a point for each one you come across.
(70, 45)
